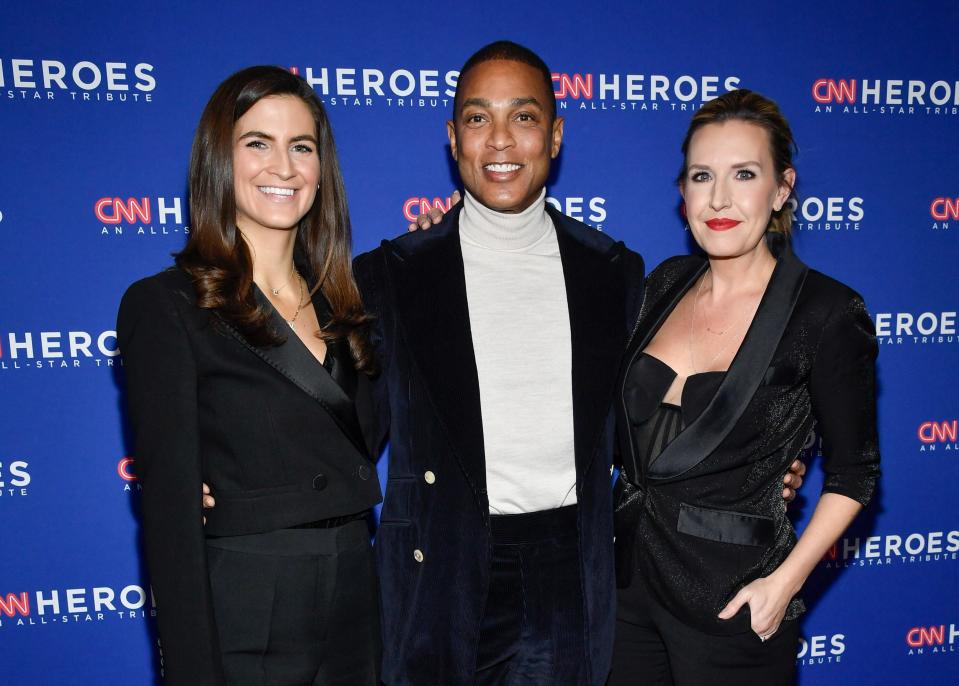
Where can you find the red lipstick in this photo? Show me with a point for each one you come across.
(722, 224)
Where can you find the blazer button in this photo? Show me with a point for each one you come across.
(418, 555)
(429, 477)
(319, 482)
(364, 472)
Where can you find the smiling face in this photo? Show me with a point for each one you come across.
(276, 166)
(731, 187)
(504, 135)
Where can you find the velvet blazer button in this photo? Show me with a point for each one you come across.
(364, 472)
(319, 482)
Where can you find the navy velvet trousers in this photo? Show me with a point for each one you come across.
(533, 631)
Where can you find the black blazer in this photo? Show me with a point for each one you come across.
(706, 517)
(282, 441)
(433, 543)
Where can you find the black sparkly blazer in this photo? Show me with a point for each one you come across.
(705, 517)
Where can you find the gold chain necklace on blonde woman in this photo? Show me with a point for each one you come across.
(692, 320)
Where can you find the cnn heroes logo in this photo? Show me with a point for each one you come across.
(81, 81)
(638, 92)
(886, 96)
(821, 650)
(933, 640)
(58, 350)
(832, 213)
(888, 549)
(143, 216)
(366, 86)
(75, 606)
(923, 328)
(14, 478)
(431, 88)
(590, 211)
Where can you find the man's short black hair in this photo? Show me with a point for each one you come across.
(508, 50)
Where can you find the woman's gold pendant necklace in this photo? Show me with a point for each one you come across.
(299, 302)
(715, 332)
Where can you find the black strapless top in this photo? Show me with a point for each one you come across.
(655, 423)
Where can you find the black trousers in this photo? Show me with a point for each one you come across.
(297, 607)
(533, 630)
(653, 648)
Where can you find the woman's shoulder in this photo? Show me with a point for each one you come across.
(671, 270)
(828, 293)
(170, 282)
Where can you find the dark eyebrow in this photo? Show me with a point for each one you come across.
(515, 102)
(478, 102)
(519, 102)
(266, 136)
(304, 137)
(738, 165)
(256, 134)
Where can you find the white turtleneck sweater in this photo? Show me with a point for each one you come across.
(520, 325)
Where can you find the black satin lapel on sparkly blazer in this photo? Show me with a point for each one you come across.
(294, 360)
(660, 310)
(429, 286)
(596, 300)
(698, 440)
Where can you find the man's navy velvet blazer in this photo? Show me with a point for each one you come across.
(433, 544)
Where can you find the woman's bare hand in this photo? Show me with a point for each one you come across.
(434, 216)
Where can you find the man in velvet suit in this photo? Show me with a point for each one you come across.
(499, 333)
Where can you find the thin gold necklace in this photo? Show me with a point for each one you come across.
(692, 319)
(299, 302)
(276, 291)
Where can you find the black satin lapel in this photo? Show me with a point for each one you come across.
(429, 287)
(746, 372)
(654, 318)
(343, 372)
(294, 361)
(596, 300)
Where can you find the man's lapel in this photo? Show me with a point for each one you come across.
(596, 297)
(429, 287)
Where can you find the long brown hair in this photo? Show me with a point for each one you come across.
(217, 257)
(749, 106)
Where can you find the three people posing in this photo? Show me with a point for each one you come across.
(499, 336)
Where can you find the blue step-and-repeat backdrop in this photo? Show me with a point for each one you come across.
(98, 103)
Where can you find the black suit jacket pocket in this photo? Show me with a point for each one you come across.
(780, 375)
(724, 526)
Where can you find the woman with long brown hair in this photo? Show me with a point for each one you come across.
(738, 353)
(247, 367)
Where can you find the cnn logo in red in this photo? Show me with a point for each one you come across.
(113, 210)
(938, 432)
(413, 207)
(834, 90)
(921, 636)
